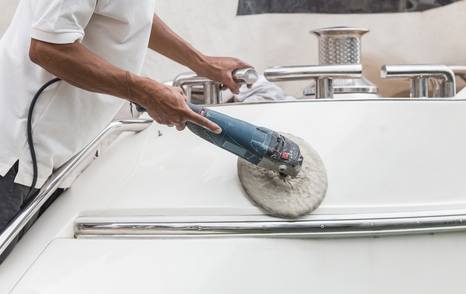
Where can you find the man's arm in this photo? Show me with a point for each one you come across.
(166, 42)
(78, 66)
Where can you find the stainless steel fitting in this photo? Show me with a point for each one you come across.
(342, 45)
(189, 82)
(247, 76)
(442, 77)
(208, 89)
(323, 75)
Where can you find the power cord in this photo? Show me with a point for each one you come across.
(30, 138)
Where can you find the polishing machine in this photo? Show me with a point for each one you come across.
(260, 146)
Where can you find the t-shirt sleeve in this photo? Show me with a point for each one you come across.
(61, 21)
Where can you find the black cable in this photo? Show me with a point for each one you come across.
(29, 132)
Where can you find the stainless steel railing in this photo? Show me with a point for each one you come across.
(420, 75)
(317, 226)
(52, 184)
(211, 89)
(322, 74)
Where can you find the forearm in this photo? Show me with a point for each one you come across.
(166, 42)
(77, 65)
(80, 67)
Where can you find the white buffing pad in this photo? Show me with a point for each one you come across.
(290, 197)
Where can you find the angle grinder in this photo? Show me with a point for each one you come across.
(294, 188)
(257, 145)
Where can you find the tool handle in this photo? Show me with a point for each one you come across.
(237, 136)
(219, 118)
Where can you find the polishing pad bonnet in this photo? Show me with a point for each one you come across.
(289, 197)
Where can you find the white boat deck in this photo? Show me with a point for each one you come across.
(381, 156)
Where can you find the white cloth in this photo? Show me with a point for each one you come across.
(65, 118)
(261, 91)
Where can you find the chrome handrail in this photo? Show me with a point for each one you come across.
(187, 81)
(54, 181)
(310, 72)
(211, 89)
(420, 74)
(317, 226)
(322, 74)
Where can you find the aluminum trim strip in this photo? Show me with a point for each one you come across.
(324, 226)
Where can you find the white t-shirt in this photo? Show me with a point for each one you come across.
(65, 118)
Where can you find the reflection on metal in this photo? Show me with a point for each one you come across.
(51, 185)
(442, 77)
(459, 70)
(348, 88)
(208, 90)
(318, 226)
(342, 45)
(192, 83)
(324, 75)
(247, 7)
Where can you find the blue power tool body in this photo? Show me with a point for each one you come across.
(260, 146)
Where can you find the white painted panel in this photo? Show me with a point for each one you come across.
(420, 264)
(377, 153)
(380, 155)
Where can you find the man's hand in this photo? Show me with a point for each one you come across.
(167, 105)
(221, 69)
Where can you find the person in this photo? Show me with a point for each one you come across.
(97, 49)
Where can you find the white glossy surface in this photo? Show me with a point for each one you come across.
(422, 264)
(380, 156)
(377, 153)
